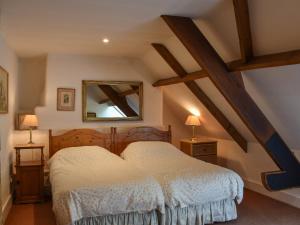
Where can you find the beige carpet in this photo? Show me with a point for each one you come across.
(255, 209)
(258, 209)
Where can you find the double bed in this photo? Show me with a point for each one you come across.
(154, 183)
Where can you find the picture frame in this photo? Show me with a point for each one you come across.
(19, 122)
(3, 91)
(65, 99)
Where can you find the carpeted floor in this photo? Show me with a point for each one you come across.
(255, 209)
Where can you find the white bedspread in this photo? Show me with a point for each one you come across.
(91, 181)
(185, 181)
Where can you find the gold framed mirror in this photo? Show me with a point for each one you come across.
(112, 100)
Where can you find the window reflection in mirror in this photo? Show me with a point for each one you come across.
(114, 100)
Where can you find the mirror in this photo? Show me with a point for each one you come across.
(112, 100)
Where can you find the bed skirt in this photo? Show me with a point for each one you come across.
(220, 211)
(133, 218)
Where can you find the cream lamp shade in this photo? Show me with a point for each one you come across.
(192, 121)
(30, 121)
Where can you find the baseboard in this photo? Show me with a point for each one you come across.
(6, 208)
(282, 196)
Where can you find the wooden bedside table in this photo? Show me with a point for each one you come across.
(29, 185)
(203, 149)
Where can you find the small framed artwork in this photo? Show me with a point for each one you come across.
(65, 99)
(3, 91)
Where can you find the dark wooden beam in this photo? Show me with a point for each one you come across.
(175, 80)
(242, 103)
(238, 78)
(243, 26)
(257, 62)
(199, 93)
(190, 77)
(119, 101)
(170, 59)
(124, 93)
(265, 61)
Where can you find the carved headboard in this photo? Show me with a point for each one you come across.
(124, 138)
(79, 137)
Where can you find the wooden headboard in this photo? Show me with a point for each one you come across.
(79, 137)
(122, 139)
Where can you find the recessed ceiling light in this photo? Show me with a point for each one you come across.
(105, 40)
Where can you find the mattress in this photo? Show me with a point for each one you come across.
(90, 182)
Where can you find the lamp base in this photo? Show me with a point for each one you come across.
(194, 136)
(30, 142)
(193, 139)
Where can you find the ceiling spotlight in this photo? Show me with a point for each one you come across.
(105, 40)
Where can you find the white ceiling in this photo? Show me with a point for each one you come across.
(78, 26)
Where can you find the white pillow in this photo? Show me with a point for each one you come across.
(150, 150)
(80, 154)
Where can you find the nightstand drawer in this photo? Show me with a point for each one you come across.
(204, 149)
(208, 158)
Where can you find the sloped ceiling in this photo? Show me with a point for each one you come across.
(277, 93)
(41, 26)
(273, 89)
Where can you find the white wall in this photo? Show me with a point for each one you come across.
(32, 72)
(250, 165)
(67, 71)
(178, 128)
(8, 61)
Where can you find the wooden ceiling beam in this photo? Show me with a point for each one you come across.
(257, 62)
(176, 80)
(200, 94)
(190, 77)
(243, 26)
(266, 61)
(205, 55)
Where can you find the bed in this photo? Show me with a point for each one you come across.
(91, 185)
(195, 192)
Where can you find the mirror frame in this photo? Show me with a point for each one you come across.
(85, 84)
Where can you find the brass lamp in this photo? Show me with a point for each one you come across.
(193, 121)
(30, 121)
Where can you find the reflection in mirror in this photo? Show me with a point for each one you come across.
(115, 100)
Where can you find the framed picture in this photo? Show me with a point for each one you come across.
(3, 91)
(65, 99)
(19, 122)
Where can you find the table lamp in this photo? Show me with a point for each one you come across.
(30, 121)
(193, 121)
